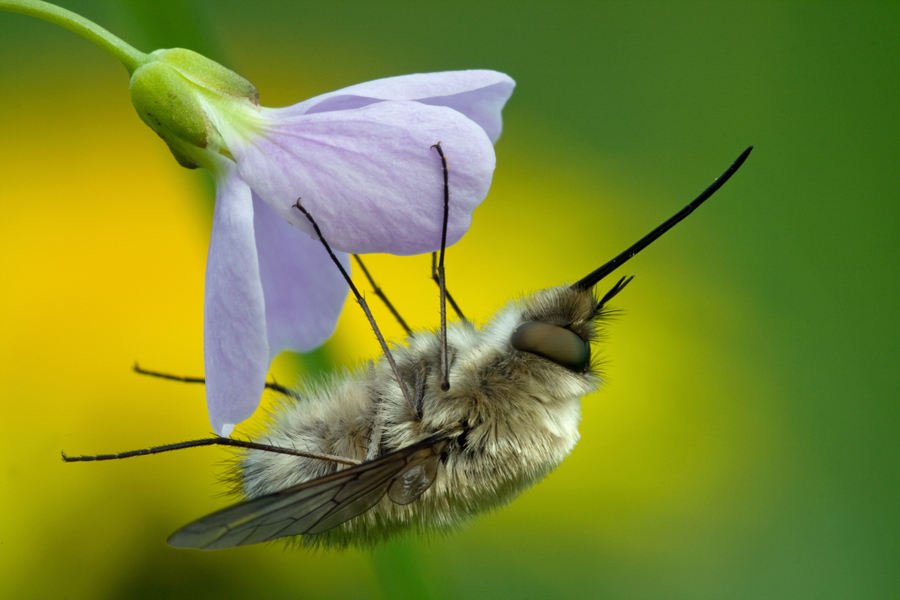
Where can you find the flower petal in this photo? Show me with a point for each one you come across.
(234, 324)
(304, 291)
(478, 94)
(369, 175)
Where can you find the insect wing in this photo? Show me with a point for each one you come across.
(320, 504)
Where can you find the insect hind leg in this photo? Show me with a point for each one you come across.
(216, 441)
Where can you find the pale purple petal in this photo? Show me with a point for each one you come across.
(234, 324)
(304, 290)
(478, 94)
(369, 175)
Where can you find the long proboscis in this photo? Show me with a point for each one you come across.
(595, 276)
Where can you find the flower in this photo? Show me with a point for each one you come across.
(361, 160)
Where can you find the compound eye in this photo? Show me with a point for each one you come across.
(562, 346)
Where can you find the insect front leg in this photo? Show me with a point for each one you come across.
(374, 447)
(419, 387)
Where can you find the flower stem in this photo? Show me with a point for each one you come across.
(127, 55)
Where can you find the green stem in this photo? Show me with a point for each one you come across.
(127, 55)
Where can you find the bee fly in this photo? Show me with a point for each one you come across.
(437, 430)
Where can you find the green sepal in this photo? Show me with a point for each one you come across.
(208, 74)
(173, 92)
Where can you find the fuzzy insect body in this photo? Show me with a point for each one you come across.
(445, 426)
(509, 418)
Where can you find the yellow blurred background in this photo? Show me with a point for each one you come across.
(745, 445)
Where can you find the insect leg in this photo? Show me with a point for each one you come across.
(375, 436)
(421, 382)
(274, 386)
(377, 291)
(362, 302)
(216, 441)
(435, 278)
(442, 282)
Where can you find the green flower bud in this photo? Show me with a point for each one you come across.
(174, 93)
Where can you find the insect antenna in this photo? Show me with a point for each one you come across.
(591, 280)
(216, 441)
(620, 285)
(274, 386)
(362, 302)
(377, 291)
(442, 280)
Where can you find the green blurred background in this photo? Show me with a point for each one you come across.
(746, 445)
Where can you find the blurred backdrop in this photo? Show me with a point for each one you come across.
(746, 444)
